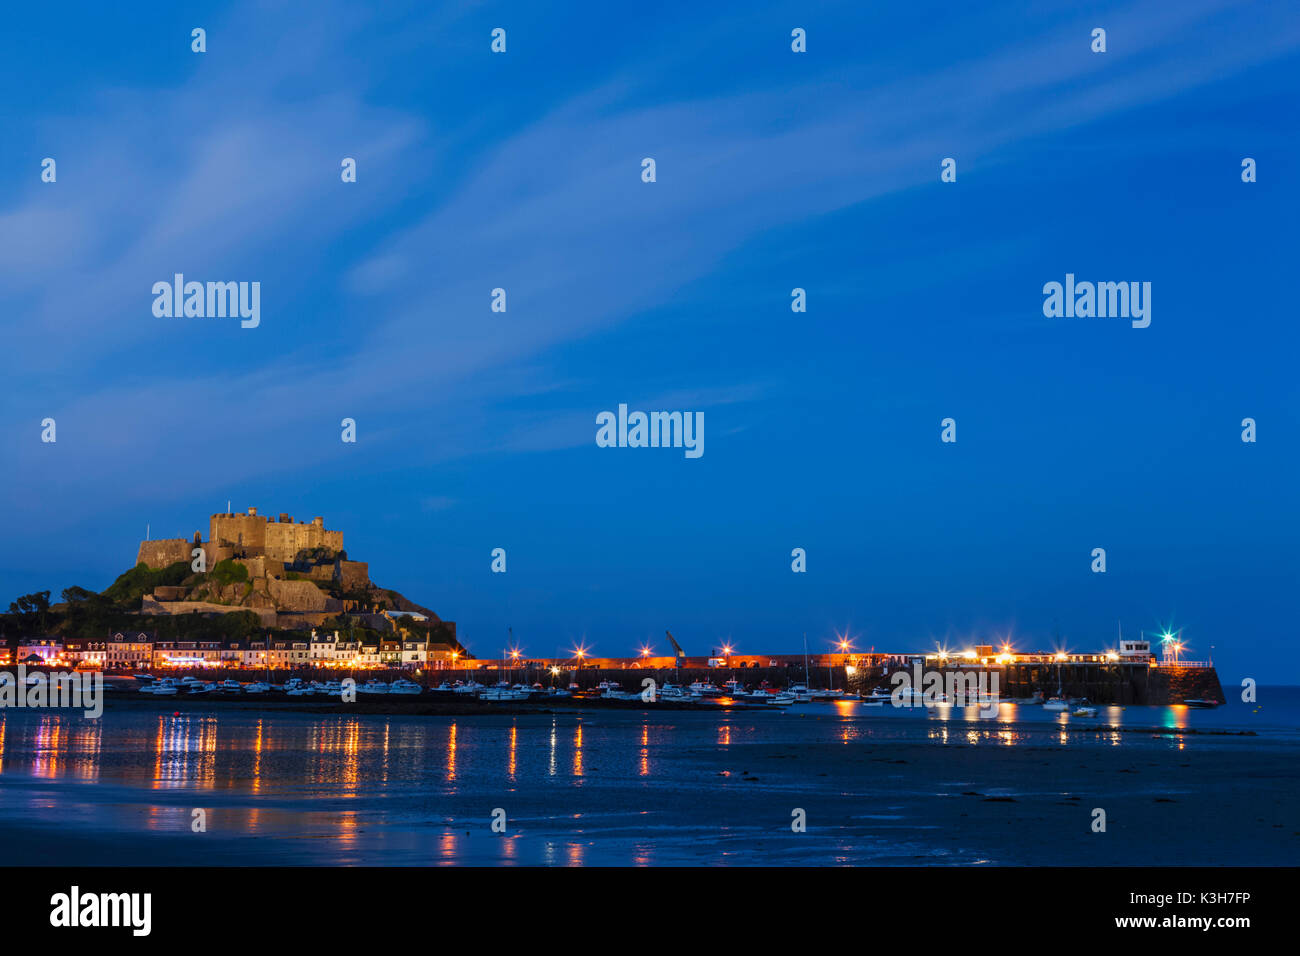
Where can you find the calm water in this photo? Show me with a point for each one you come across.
(625, 787)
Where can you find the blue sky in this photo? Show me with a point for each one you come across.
(775, 170)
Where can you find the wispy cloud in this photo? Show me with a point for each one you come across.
(554, 212)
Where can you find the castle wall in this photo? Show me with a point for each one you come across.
(257, 567)
(353, 575)
(278, 540)
(297, 595)
(243, 532)
(149, 605)
(164, 551)
(284, 541)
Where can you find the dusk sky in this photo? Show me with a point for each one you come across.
(774, 170)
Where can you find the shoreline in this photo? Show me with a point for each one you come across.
(474, 707)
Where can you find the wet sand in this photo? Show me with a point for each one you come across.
(621, 788)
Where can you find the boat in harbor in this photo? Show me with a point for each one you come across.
(404, 686)
(1056, 704)
(704, 689)
(831, 694)
(503, 693)
(373, 686)
(1200, 703)
(672, 691)
(800, 693)
(257, 687)
(1084, 712)
(472, 687)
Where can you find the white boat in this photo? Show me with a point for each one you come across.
(832, 694)
(910, 696)
(403, 686)
(557, 692)
(704, 689)
(734, 688)
(302, 690)
(672, 692)
(878, 696)
(502, 693)
(373, 686)
(610, 691)
(780, 700)
(166, 687)
(473, 687)
(257, 687)
(800, 693)
(1056, 704)
(1084, 712)
(230, 687)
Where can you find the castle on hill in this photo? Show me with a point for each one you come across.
(298, 575)
(250, 536)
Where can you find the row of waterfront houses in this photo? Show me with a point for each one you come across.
(142, 649)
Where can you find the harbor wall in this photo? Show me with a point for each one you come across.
(1102, 683)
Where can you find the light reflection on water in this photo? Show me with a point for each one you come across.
(350, 783)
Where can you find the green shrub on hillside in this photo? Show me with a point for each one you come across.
(132, 585)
